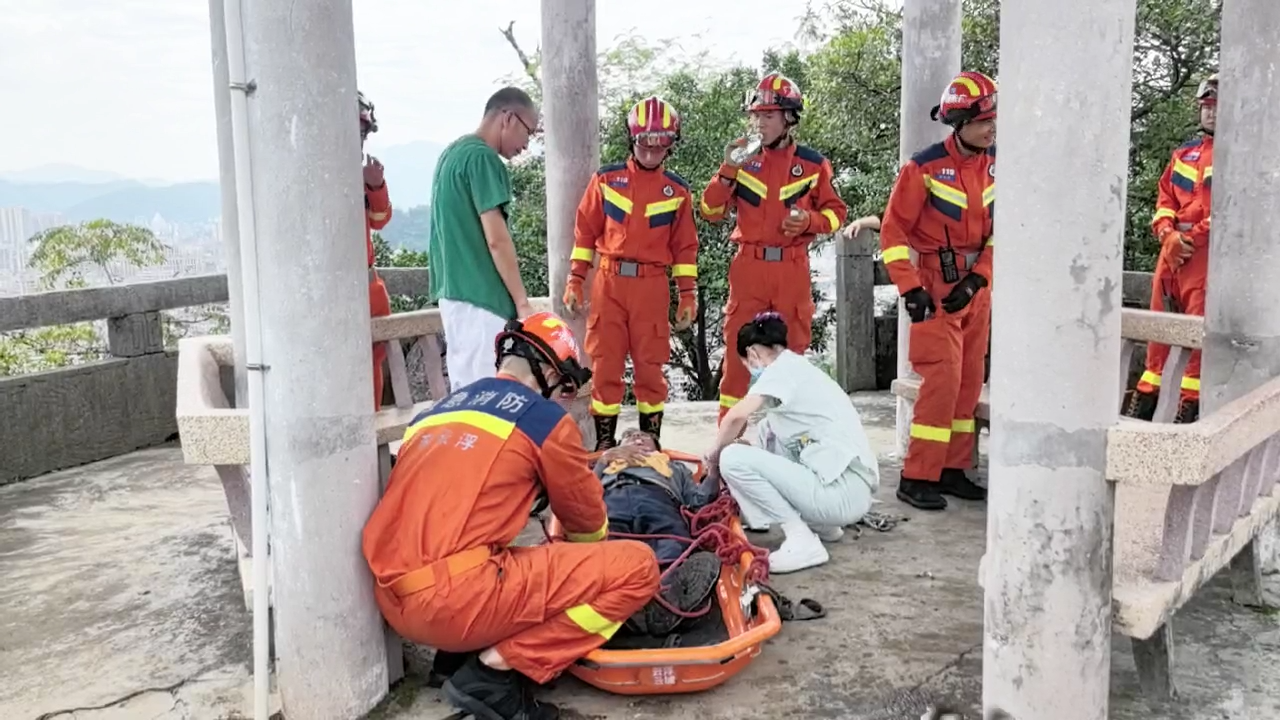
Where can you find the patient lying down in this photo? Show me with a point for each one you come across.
(644, 491)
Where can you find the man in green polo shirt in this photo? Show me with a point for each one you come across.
(471, 258)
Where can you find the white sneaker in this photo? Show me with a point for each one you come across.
(828, 533)
(798, 553)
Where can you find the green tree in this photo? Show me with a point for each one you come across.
(64, 256)
(386, 256)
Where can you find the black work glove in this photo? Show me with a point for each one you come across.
(919, 304)
(963, 292)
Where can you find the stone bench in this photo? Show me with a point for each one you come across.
(1190, 499)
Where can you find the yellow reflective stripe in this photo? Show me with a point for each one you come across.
(752, 183)
(962, 426)
(476, 419)
(1185, 170)
(663, 207)
(931, 432)
(897, 253)
(684, 271)
(946, 192)
(830, 215)
(378, 216)
(1208, 172)
(596, 536)
(583, 254)
(650, 407)
(989, 195)
(708, 210)
(586, 617)
(613, 196)
(602, 409)
(1151, 378)
(1165, 213)
(790, 189)
(728, 401)
(1190, 383)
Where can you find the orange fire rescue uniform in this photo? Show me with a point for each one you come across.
(943, 197)
(1183, 205)
(377, 212)
(439, 541)
(640, 222)
(770, 270)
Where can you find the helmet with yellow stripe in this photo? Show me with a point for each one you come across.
(969, 97)
(654, 123)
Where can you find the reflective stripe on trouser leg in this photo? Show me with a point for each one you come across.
(1157, 353)
(649, 330)
(607, 344)
(975, 329)
(1193, 301)
(599, 586)
(935, 355)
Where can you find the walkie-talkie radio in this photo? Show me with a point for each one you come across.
(947, 259)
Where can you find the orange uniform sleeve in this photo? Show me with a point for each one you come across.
(1167, 207)
(717, 199)
(906, 202)
(575, 493)
(986, 260)
(830, 211)
(684, 248)
(588, 228)
(377, 205)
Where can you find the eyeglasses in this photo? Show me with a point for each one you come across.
(523, 124)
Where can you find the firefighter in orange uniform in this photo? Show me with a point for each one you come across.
(638, 217)
(1181, 223)
(377, 212)
(439, 541)
(784, 197)
(941, 211)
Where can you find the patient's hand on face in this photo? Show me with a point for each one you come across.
(629, 454)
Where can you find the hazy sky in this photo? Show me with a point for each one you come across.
(126, 86)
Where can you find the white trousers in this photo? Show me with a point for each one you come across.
(469, 334)
(770, 489)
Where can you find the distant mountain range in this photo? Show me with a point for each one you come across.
(80, 194)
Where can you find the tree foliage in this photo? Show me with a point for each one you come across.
(65, 253)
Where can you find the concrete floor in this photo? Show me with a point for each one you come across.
(121, 600)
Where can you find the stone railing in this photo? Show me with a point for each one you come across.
(70, 416)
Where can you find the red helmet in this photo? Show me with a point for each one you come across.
(368, 123)
(544, 339)
(652, 122)
(1207, 93)
(971, 96)
(775, 91)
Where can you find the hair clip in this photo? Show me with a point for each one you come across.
(767, 315)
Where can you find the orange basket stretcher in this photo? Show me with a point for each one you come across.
(742, 617)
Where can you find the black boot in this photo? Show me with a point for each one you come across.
(444, 665)
(606, 430)
(1188, 411)
(490, 694)
(956, 484)
(1139, 405)
(652, 424)
(689, 587)
(921, 494)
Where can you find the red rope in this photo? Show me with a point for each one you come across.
(712, 528)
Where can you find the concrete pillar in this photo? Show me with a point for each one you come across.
(227, 186)
(571, 118)
(1047, 650)
(321, 447)
(930, 59)
(1242, 342)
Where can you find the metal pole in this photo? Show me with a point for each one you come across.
(930, 59)
(321, 446)
(571, 116)
(227, 185)
(1047, 653)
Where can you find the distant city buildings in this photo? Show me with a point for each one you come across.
(194, 249)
